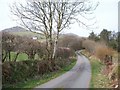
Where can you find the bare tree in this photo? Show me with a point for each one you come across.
(18, 46)
(89, 45)
(49, 18)
(71, 41)
(30, 47)
(7, 45)
(63, 52)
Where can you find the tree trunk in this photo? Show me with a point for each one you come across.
(31, 56)
(16, 57)
(3, 59)
(9, 56)
(47, 49)
(55, 45)
(54, 50)
(51, 50)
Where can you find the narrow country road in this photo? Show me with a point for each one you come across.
(78, 77)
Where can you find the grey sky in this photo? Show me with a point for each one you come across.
(106, 16)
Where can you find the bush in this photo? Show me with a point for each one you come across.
(71, 41)
(89, 45)
(20, 71)
(101, 52)
(63, 52)
(14, 72)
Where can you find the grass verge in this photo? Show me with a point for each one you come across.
(31, 83)
(98, 79)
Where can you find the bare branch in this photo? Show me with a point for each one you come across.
(49, 18)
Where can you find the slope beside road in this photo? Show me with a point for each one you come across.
(78, 77)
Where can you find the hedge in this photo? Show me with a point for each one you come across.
(14, 72)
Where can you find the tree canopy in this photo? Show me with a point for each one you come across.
(49, 18)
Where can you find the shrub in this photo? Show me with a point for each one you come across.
(63, 52)
(41, 51)
(20, 71)
(89, 45)
(71, 41)
(101, 52)
(14, 72)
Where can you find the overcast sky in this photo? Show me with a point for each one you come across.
(106, 17)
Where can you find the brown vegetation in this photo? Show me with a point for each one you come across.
(102, 52)
(107, 56)
(63, 52)
(71, 41)
(89, 45)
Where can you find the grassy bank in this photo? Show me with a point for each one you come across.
(31, 83)
(98, 79)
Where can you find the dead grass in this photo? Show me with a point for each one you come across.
(102, 51)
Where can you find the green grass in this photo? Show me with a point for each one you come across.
(22, 56)
(98, 80)
(31, 83)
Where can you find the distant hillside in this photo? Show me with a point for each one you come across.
(72, 34)
(15, 29)
(22, 32)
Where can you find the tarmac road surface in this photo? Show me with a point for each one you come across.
(78, 77)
